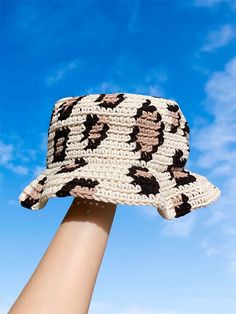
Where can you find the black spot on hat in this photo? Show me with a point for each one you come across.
(142, 177)
(69, 186)
(65, 109)
(184, 208)
(96, 127)
(29, 202)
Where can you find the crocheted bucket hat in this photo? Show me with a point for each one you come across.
(120, 148)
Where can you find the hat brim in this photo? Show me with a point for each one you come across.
(132, 185)
(183, 199)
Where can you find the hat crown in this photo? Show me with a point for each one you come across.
(143, 129)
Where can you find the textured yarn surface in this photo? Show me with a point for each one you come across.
(120, 148)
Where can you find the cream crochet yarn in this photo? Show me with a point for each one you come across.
(120, 148)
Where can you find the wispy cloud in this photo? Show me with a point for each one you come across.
(61, 72)
(6, 151)
(142, 310)
(147, 211)
(44, 142)
(213, 3)
(216, 143)
(135, 7)
(208, 3)
(16, 157)
(38, 170)
(151, 83)
(17, 169)
(218, 38)
(180, 228)
(108, 86)
(5, 304)
(185, 305)
(6, 159)
(106, 308)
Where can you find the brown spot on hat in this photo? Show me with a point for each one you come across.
(148, 133)
(110, 100)
(60, 143)
(78, 163)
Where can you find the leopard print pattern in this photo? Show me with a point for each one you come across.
(82, 128)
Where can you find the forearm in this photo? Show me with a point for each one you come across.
(64, 279)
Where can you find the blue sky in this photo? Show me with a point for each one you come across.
(184, 50)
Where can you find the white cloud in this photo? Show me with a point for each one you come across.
(6, 157)
(63, 70)
(175, 305)
(222, 243)
(232, 267)
(150, 89)
(218, 38)
(104, 87)
(12, 202)
(5, 305)
(44, 142)
(106, 308)
(181, 227)
(134, 13)
(214, 3)
(216, 143)
(151, 84)
(17, 169)
(223, 212)
(142, 310)
(6, 151)
(100, 307)
(147, 211)
(38, 169)
(230, 247)
(220, 88)
(111, 87)
(209, 248)
(208, 3)
(15, 157)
